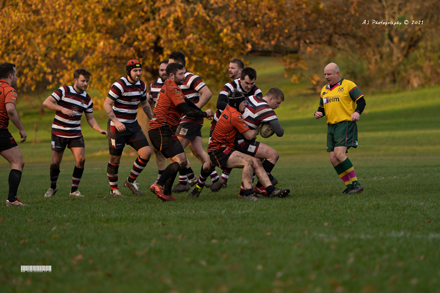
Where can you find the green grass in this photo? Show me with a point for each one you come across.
(386, 239)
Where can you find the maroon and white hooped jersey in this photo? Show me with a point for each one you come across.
(66, 97)
(127, 97)
(257, 111)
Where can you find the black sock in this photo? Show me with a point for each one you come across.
(168, 172)
(248, 192)
(190, 173)
(267, 166)
(269, 189)
(54, 172)
(14, 181)
(169, 184)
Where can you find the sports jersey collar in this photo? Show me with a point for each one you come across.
(2, 80)
(135, 83)
(336, 85)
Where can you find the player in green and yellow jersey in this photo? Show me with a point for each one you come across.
(342, 104)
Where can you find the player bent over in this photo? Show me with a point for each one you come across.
(259, 110)
(222, 154)
(121, 106)
(70, 102)
(170, 105)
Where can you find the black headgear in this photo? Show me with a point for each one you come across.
(132, 64)
(235, 99)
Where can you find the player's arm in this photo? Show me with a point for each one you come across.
(279, 131)
(92, 122)
(147, 109)
(222, 99)
(108, 103)
(51, 104)
(205, 96)
(250, 134)
(193, 112)
(320, 112)
(243, 128)
(13, 116)
(360, 106)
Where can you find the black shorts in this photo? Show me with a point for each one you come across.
(220, 157)
(189, 130)
(6, 140)
(165, 141)
(133, 136)
(248, 147)
(59, 144)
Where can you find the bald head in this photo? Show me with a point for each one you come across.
(331, 73)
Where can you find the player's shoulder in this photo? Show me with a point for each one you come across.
(6, 87)
(349, 83)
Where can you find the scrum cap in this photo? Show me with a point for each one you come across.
(132, 64)
(235, 99)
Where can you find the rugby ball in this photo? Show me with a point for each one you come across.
(266, 130)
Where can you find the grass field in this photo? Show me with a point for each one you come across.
(386, 239)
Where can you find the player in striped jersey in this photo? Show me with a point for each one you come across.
(245, 85)
(337, 104)
(222, 152)
(70, 102)
(8, 146)
(155, 87)
(257, 111)
(121, 106)
(189, 130)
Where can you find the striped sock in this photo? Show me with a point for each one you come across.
(189, 173)
(349, 169)
(138, 165)
(214, 176)
(225, 174)
(343, 173)
(112, 175)
(202, 178)
(76, 178)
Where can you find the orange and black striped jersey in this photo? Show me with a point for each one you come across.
(7, 95)
(229, 123)
(166, 112)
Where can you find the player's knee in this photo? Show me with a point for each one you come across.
(81, 162)
(114, 160)
(182, 164)
(54, 166)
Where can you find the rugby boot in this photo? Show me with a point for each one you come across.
(216, 186)
(252, 197)
(116, 192)
(181, 187)
(193, 181)
(357, 188)
(279, 193)
(133, 187)
(260, 190)
(197, 190)
(16, 203)
(51, 192)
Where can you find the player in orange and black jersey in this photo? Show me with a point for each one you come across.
(170, 105)
(223, 155)
(155, 88)
(8, 147)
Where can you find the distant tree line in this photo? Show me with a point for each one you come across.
(49, 39)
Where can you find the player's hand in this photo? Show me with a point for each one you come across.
(23, 135)
(102, 131)
(355, 116)
(209, 114)
(120, 126)
(318, 115)
(67, 112)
